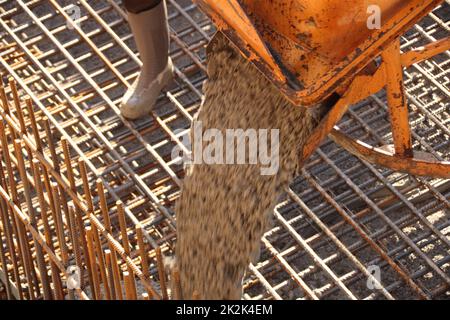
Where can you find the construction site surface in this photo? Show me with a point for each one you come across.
(83, 191)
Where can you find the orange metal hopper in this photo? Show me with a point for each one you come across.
(308, 47)
(313, 49)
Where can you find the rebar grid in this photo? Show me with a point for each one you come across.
(341, 216)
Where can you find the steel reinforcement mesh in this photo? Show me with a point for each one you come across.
(342, 221)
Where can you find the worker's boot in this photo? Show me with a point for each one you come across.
(151, 33)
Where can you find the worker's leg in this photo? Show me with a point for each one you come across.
(138, 6)
(148, 22)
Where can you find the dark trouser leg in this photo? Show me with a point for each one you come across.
(137, 6)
